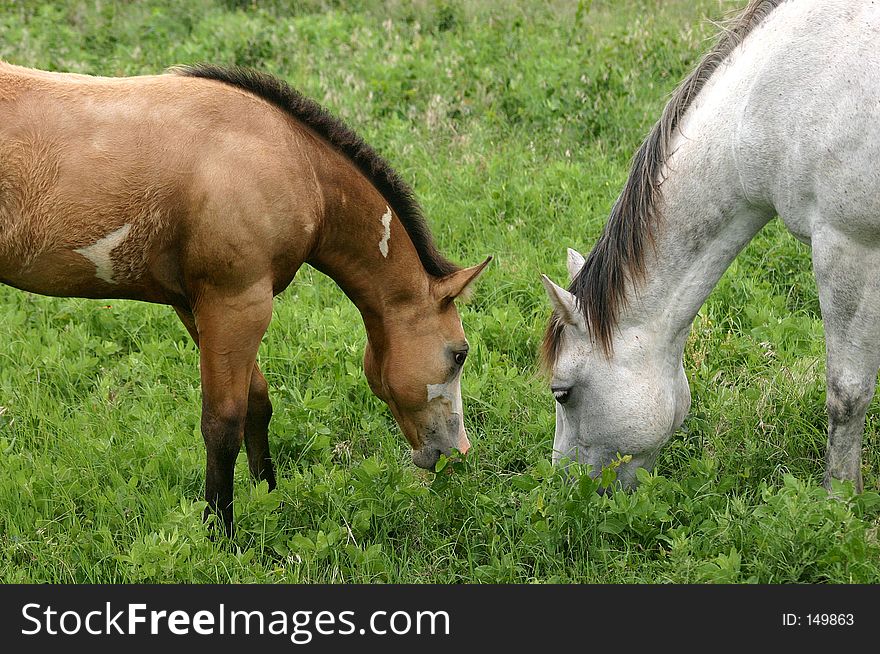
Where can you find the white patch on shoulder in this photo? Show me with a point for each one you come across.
(99, 253)
(386, 236)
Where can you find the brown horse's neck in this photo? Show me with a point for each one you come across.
(365, 248)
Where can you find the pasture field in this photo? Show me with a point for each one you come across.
(514, 122)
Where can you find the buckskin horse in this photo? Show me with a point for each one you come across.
(781, 118)
(206, 189)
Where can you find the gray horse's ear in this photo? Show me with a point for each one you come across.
(564, 303)
(575, 263)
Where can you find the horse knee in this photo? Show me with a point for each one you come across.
(847, 400)
(223, 427)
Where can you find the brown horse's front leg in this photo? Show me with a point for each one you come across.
(259, 413)
(222, 431)
(229, 330)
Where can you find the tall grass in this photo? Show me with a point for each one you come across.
(514, 122)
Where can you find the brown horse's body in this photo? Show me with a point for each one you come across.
(206, 196)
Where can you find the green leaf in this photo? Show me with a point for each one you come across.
(302, 544)
(524, 482)
(612, 526)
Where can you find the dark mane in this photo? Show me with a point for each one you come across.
(619, 254)
(395, 191)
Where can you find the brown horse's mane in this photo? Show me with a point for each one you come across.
(619, 254)
(395, 191)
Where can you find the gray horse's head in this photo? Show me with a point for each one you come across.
(627, 399)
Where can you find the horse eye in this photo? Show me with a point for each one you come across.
(561, 394)
(459, 358)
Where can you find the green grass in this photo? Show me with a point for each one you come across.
(514, 122)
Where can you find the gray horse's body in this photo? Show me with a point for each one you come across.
(787, 123)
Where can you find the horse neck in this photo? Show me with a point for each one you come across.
(364, 247)
(705, 220)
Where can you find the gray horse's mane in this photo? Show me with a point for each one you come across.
(600, 286)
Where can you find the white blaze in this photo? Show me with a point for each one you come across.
(386, 223)
(450, 391)
(99, 253)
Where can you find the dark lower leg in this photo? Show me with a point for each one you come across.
(223, 436)
(256, 430)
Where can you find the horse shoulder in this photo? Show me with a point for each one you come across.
(806, 133)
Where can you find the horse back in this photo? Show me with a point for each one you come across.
(130, 187)
(807, 123)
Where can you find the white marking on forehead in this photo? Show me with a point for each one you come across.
(386, 236)
(99, 253)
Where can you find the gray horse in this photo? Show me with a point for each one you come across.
(781, 118)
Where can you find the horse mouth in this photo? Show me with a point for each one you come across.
(426, 457)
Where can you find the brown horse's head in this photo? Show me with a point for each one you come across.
(417, 369)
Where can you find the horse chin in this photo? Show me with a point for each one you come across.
(426, 457)
(626, 473)
(439, 441)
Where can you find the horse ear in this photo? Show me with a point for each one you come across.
(564, 303)
(458, 284)
(575, 263)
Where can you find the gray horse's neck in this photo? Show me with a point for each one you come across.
(705, 221)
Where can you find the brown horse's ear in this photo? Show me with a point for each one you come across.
(458, 284)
